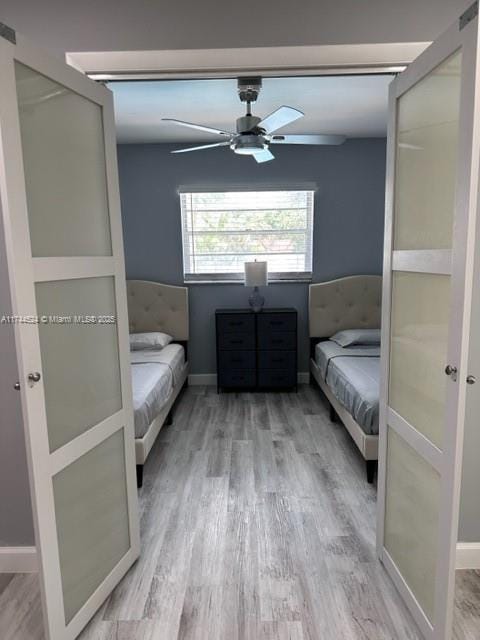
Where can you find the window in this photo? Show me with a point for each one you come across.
(222, 230)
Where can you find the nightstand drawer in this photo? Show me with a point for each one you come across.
(277, 322)
(236, 360)
(236, 323)
(236, 379)
(277, 340)
(280, 378)
(238, 341)
(277, 360)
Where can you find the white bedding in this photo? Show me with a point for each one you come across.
(154, 374)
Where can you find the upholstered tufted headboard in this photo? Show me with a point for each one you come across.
(353, 302)
(153, 306)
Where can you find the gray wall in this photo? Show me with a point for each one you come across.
(348, 232)
(16, 525)
(144, 24)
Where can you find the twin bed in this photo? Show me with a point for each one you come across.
(158, 374)
(349, 376)
(346, 370)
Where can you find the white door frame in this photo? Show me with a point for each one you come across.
(24, 271)
(263, 61)
(459, 264)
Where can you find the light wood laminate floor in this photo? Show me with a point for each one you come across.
(257, 524)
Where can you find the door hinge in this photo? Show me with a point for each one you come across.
(8, 33)
(470, 14)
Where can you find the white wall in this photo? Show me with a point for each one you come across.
(92, 25)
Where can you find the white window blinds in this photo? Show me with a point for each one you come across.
(223, 230)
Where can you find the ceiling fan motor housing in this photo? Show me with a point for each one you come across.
(247, 123)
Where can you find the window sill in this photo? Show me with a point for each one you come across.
(240, 282)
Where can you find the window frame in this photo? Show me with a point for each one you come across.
(238, 277)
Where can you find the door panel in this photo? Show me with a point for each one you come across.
(64, 161)
(433, 149)
(411, 518)
(92, 520)
(427, 144)
(80, 359)
(61, 214)
(419, 342)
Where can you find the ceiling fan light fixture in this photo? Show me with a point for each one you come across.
(248, 145)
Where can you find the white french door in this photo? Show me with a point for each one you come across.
(60, 204)
(431, 210)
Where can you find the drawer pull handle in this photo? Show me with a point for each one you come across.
(237, 323)
(276, 322)
(277, 359)
(278, 341)
(236, 341)
(236, 360)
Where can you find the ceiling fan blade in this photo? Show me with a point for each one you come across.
(280, 118)
(200, 127)
(203, 146)
(263, 156)
(308, 139)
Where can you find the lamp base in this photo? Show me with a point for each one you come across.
(256, 301)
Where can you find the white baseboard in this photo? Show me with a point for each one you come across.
(198, 379)
(468, 555)
(18, 560)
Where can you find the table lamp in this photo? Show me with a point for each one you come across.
(256, 275)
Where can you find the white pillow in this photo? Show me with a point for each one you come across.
(149, 340)
(353, 337)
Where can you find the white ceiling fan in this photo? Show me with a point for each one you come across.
(254, 135)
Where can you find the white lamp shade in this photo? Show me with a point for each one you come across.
(256, 274)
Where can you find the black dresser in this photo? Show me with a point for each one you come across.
(256, 350)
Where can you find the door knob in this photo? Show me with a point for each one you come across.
(16, 386)
(471, 379)
(34, 377)
(451, 371)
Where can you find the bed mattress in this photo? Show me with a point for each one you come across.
(154, 374)
(353, 375)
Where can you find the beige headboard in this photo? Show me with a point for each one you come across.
(353, 302)
(153, 306)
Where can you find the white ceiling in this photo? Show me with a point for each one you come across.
(355, 106)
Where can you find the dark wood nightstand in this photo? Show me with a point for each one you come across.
(256, 350)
